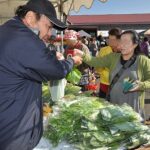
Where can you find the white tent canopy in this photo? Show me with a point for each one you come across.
(83, 33)
(8, 7)
(147, 32)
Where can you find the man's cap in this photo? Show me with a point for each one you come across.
(46, 7)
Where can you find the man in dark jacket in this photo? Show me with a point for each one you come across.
(25, 63)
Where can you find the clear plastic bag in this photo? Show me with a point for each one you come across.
(57, 89)
(45, 144)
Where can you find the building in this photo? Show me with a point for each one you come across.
(94, 23)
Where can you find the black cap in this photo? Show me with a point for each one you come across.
(46, 7)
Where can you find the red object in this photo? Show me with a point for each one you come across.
(104, 87)
(92, 87)
(70, 53)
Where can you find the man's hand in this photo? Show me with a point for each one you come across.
(77, 60)
(59, 56)
(78, 52)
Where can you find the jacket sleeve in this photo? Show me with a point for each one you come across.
(144, 72)
(37, 63)
(98, 62)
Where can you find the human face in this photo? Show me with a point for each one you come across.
(126, 44)
(113, 43)
(45, 27)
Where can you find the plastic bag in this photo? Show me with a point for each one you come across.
(44, 144)
(74, 76)
(128, 84)
(57, 89)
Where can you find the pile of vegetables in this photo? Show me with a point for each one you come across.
(72, 89)
(91, 123)
(63, 126)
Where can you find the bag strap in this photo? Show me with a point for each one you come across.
(118, 75)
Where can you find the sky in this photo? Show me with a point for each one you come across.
(116, 7)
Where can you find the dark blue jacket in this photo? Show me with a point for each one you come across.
(25, 63)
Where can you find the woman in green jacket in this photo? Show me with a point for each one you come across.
(134, 80)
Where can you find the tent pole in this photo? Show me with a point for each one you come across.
(61, 18)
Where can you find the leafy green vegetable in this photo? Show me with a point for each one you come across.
(89, 124)
(72, 89)
(74, 76)
(116, 114)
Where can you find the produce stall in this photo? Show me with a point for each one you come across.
(82, 122)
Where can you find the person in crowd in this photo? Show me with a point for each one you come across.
(84, 81)
(101, 42)
(129, 72)
(93, 46)
(145, 46)
(113, 46)
(84, 40)
(25, 63)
